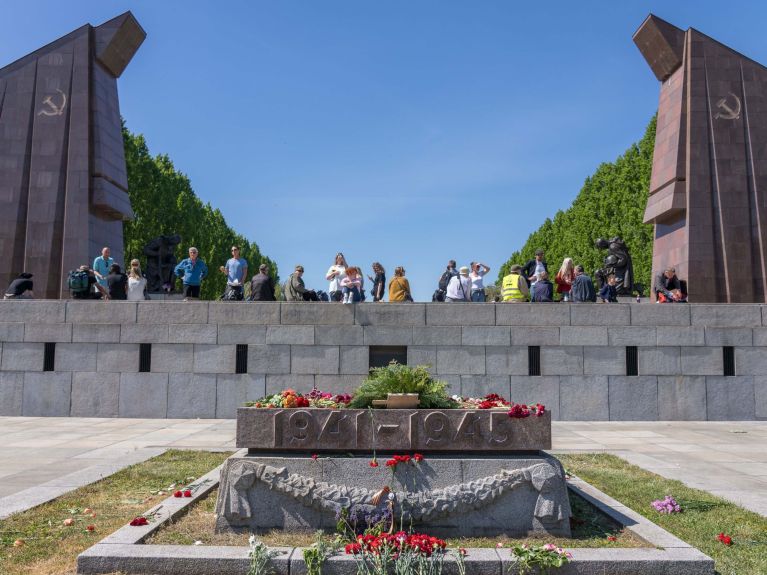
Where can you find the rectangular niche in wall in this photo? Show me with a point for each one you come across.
(382, 355)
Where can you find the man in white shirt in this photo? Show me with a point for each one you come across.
(459, 287)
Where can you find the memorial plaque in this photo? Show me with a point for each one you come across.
(63, 181)
(422, 430)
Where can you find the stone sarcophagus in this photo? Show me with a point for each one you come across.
(478, 472)
(63, 180)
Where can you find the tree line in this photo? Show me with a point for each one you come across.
(611, 203)
(164, 203)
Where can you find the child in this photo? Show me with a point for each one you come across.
(351, 285)
(608, 293)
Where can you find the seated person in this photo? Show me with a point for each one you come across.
(21, 287)
(80, 283)
(544, 289)
(609, 293)
(665, 283)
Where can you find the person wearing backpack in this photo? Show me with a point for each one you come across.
(444, 280)
(80, 281)
(21, 287)
(459, 288)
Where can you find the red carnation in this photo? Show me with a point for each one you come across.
(373, 463)
(418, 457)
(177, 494)
(315, 456)
(188, 493)
(139, 521)
(612, 538)
(726, 539)
(90, 528)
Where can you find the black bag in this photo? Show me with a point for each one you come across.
(336, 295)
(438, 295)
(233, 293)
(443, 281)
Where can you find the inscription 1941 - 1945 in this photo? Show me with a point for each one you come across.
(391, 429)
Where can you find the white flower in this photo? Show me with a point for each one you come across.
(252, 540)
(391, 496)
(198, 542)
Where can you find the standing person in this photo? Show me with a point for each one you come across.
(294, 287)
(609, 293)
(444, 280)
(262, 285)
(478, 270)
(459, 287)
(21, 287)
(399, 287)
(544, 289)
(101, 266)
(335, 275)
(514, 287)
(351, 286)
(583, 288)
(117, 283)
(565, 278)
(533, 269)
(379, 282)
(192, 271)
(136, 282)
(236, 271)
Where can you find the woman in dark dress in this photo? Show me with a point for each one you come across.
(117, 283)
(379, 282)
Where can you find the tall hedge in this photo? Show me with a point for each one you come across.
(164, 203)
(611, 203)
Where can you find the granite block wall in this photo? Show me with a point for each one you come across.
(84, 358)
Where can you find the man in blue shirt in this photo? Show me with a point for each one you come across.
(192, 270)
(236, 270)
(101, 266)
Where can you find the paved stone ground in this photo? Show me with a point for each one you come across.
(43, 457)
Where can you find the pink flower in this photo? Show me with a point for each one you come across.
(549, 547)
(315, 457)
(68, 521)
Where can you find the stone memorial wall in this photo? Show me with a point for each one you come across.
(180, 360)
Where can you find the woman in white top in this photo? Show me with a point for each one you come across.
(136, 282)
(336, 273)
(478, 271)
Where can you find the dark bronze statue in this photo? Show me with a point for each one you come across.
(617, 262)
(160, 261)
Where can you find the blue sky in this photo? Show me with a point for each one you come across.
(404, 132)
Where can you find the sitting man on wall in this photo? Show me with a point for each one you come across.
(669, 288)
(514, 287)
(582, 290)
(21, 287)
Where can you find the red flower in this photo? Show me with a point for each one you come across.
(315, 456)
(612, 538)
(188, 493)
(139, 521)
(539, 409)
(726, 539)
(90, 528)
(418, 457)
(519, 411)
(391, 463)
(177, 494)
(373, 463)
(462, 552)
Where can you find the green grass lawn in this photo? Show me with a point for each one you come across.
(51, 548)
(704, 516)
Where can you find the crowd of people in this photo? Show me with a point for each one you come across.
(531, 282)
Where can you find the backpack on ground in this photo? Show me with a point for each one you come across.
(77, 281)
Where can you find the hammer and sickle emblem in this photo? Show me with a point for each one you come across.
(53, 109)
(727, 112)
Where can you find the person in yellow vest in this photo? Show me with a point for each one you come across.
(515, 286)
